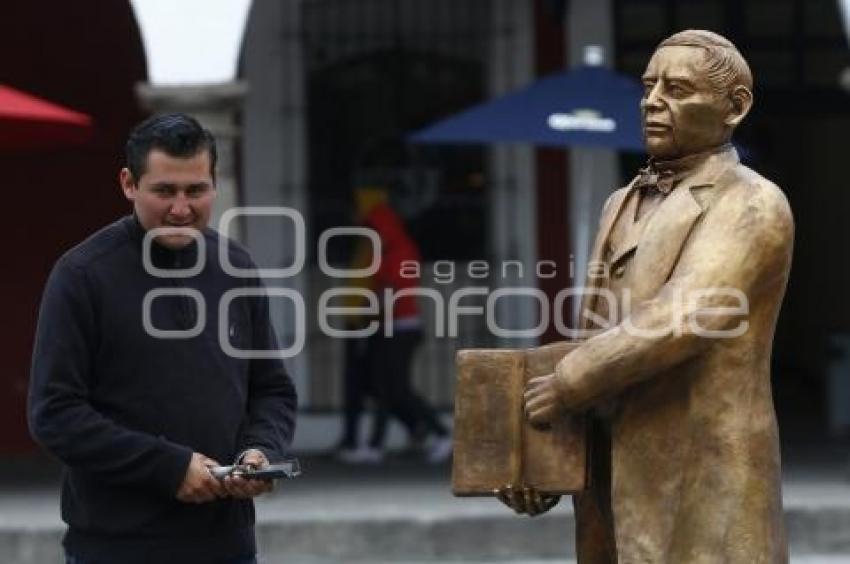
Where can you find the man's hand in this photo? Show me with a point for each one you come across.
(242, 488)
(199, 486)
(542, 400)
(526, 500)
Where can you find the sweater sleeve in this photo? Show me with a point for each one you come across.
(60, 413)
(272, 398)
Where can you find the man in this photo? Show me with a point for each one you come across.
(696, 252)
(132, 391)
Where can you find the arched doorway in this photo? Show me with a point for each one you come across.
(86, 56)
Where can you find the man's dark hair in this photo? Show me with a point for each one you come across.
(177, 135)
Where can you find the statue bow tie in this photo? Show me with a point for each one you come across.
(653, 178)
(663, 175)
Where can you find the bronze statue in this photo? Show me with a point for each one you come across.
(696, 252)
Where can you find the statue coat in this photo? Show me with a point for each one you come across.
(694, 448)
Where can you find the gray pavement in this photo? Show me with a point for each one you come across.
(795, 559)
(403, 511)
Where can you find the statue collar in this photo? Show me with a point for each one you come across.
(664, 175)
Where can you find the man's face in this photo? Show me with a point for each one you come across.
(682, 113)
(172, 192)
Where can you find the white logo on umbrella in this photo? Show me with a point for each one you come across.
(582, 120)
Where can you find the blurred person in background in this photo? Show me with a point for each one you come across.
(391, 348)
(138, 418)
(356, 377)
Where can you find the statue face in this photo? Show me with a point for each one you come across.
(682, 113)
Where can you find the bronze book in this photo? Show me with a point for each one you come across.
(494, 445)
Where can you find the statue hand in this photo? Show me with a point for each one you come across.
(542, 400)
(526, 500)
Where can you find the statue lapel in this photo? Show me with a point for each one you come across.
(662, 241)
(667, 231)
(588, 299)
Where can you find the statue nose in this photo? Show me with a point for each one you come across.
(652, 98)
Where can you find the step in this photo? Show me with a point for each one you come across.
(404, 512)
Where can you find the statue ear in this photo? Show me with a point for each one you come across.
(742, 101)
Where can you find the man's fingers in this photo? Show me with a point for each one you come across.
(217, 489)
(209, 462)
(264, 486)
(199, 485)
(255, 458)
(206, 493)
(260, 487)
(213, 485)
(234, 485)
(197, 496)
(242, 488)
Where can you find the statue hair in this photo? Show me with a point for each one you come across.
(726, 66)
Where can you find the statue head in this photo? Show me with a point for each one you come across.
(697, 89)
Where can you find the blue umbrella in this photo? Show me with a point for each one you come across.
(588, 106)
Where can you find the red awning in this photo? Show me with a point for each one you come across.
(28, 123)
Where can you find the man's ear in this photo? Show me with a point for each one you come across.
(128, 184)
(742, 101)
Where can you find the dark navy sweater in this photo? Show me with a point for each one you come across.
(124, 410)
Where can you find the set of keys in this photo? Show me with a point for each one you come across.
(288, 469)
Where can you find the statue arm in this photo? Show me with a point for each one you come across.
(742, 245)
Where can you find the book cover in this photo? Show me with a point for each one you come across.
(494, 445)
